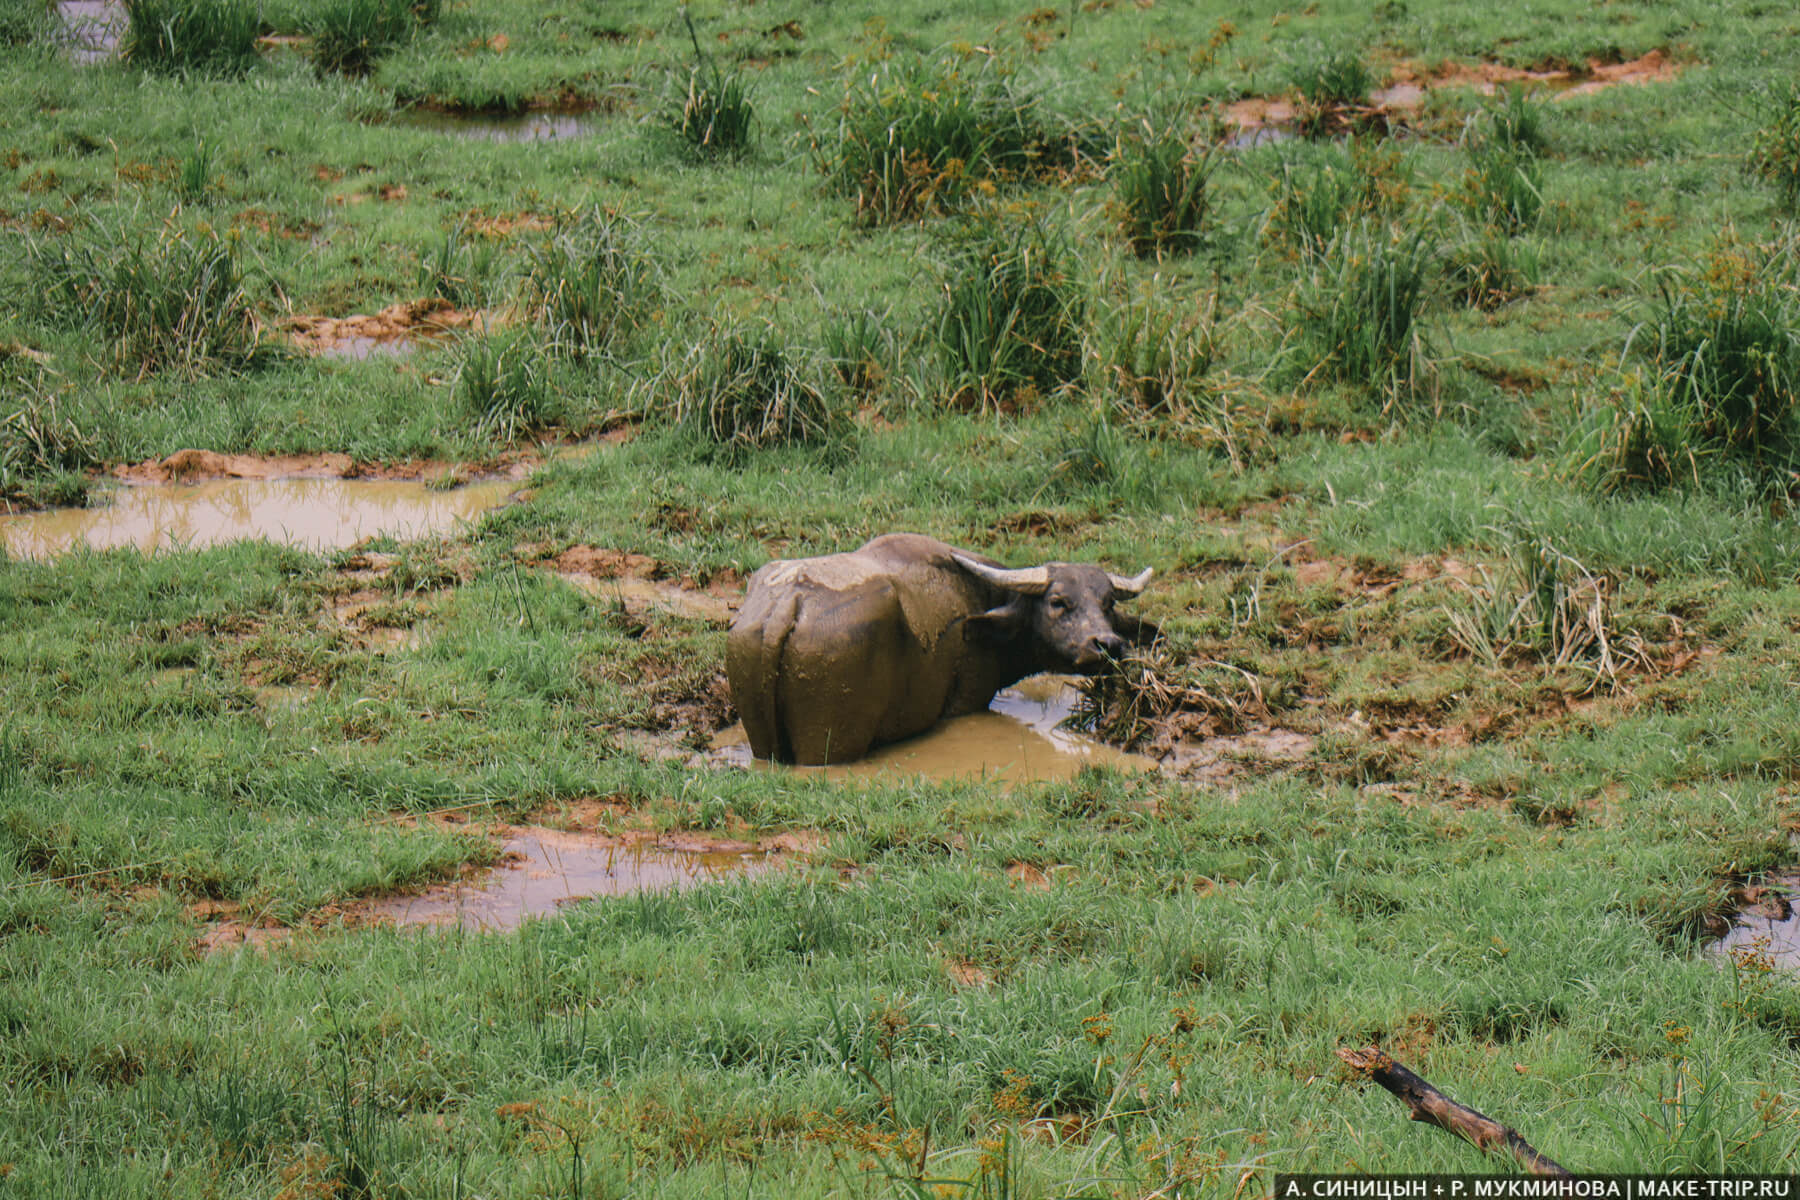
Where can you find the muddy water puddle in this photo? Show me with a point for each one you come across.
(1018, 739)
(316, 514)
(520, 127)
(544, 869)
(1767, 928)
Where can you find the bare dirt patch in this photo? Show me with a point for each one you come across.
(1410, 85)
(397, 324)
(644, 586)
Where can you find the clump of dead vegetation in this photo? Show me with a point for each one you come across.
(1542, 605)
(1160, 694)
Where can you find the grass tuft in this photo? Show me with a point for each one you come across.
(1490, 269)
(1013, 317)
(1775, 153)
(503, 385)
(458, 268)
(1159, 184)
(593, 284)
(743, 389)
(861, 347)
(1503, 188)
(1728, 340)
(192, 35)
(1328, 86)
(350, 36)
(43, 450)
(919, 139)
(170, 300)
(1356, 317)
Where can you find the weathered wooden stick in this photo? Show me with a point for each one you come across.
(1425, 1103)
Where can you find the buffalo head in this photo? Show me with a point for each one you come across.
(1064, 610)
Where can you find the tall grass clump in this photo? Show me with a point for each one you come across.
(1728, 339)
(503, 385)
(1355, 318)
(1490, 269)
(43, 450)
(1503, 187)
(743, 389)
(919, 138)
(1721, 385)
(192, 35)
(458, 268)
(715, 118)
(169, 299)
(23, 22)
(1312, 202)
(1775, 153)
(350, 36)
(593, 284)
(1013, 316)
(861, 348)
(1159, 184)
(1511, 120)
(1328, 85)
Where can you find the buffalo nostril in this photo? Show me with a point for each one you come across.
(1109, 645)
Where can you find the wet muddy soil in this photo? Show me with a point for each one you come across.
(1260, 120)
(314, 513)
(1766, 929)
(1018, 740)
(395, 330)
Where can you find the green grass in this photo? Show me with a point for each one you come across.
(351, 36)
(1486, 703)
(192, 35)
(1161, 190)
(1014, 316)
(172, 299)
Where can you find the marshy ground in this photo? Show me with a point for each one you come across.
(1442, 361)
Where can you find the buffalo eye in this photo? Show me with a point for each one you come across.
(1056, 604)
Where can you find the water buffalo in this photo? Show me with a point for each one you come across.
(832, 655)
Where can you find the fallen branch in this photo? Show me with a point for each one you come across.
(1425, 1103)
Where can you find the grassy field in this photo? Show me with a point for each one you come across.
(1461, 434)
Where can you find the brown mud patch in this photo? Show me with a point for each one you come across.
(1410, 85)
(393, 330)
(643, 586)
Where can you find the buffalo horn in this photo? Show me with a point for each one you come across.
(1029, 580)
(1134, 585)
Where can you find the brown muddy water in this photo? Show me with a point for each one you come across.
(94, 28)
(1767, 928)
(315, 514)
(1018, 740)
(521, 127)
(544, 869)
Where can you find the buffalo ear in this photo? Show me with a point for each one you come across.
(996, 624)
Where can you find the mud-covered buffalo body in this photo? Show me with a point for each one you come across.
(832, 655)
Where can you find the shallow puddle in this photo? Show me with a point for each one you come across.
(94, 28)
(520, 127)
(1017, 740)
(360, 349)
(316, 514)
(544, 869)
(1767, 928)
